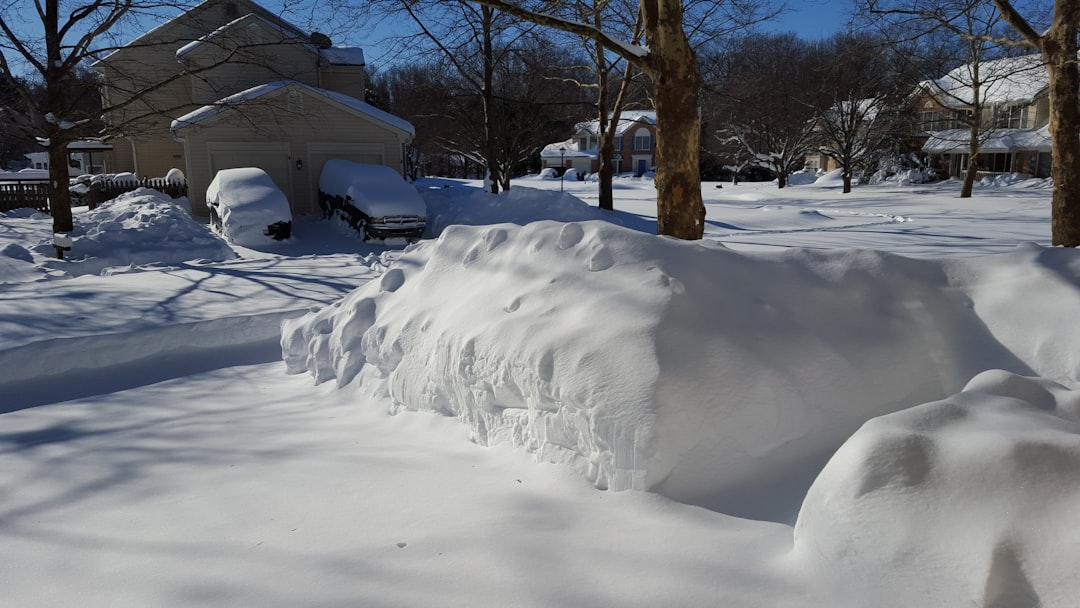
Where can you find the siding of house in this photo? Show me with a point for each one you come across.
(290, 126)
(347, 79)
(265, 58)
(321, 124)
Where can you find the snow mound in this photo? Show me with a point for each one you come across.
(140, 227)
(651, 363)
(803, 178)
(519, 205)
(994, 469)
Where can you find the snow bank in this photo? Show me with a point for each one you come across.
(139, 227)
(680, 367)
(519, 205)
(968, 501)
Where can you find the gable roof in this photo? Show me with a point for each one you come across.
(243, 6)
(1007, 80)
(207, 113)
(251, 18)
(627, 119)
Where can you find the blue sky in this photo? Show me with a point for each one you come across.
(809, 19)
(814, 19)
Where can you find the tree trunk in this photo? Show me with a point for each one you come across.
(606, 147)
(59, 192)
(1059, 49)
(1065, 140)
(781, 179)
(973, 167)
(56, 76)
(606, 172)
(845, 174)
(673, 68)
(488, 99)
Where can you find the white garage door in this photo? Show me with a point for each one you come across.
(272, 158)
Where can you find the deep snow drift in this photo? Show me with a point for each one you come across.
(686, 368)
(938, 384)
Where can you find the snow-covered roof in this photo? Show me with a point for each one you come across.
(628, 119)
(231, 102)
(1008, 80)
(246, 20)
(570, 148)
(343, 55)
(1000, 140)
(149, 35)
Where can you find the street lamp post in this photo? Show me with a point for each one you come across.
(562, 163)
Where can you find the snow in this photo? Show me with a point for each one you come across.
(1008, 80)
(208, 112)
(377, 190)
(842, 400)
(247, 201)
(997, 140)
(343, 55)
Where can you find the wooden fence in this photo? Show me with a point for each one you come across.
(32, 193)
(108, 189)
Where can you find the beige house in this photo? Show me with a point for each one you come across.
(635, 146)
(1015, 116)
(229, 84)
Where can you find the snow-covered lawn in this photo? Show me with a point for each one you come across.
(161, 448)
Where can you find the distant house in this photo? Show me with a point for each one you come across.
(635, 145)
(83, 157)
(1015, 117)
(229, 84)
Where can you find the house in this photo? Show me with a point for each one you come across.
(229, 84)
(83, 157)
(1015, 118)
(635, 145)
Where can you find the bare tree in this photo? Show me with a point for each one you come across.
(768, 99)
(1058, 45)
(867, 98)
(669, 62)
(70, 36)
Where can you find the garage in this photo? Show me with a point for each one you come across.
(319, 153)
(270, 157)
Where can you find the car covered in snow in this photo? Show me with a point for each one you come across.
(374, 199)
(247, 208)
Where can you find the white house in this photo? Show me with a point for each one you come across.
(635, 145)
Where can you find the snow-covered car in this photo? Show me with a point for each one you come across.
(374, 199)
(247, 208)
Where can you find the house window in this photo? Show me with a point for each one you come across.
(643, 139)
(1000, 162)
(618, 143)
(1012, 117)
(931, 121)
(583, 143)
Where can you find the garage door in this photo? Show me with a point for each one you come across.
(272, 158)
(318, 154)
